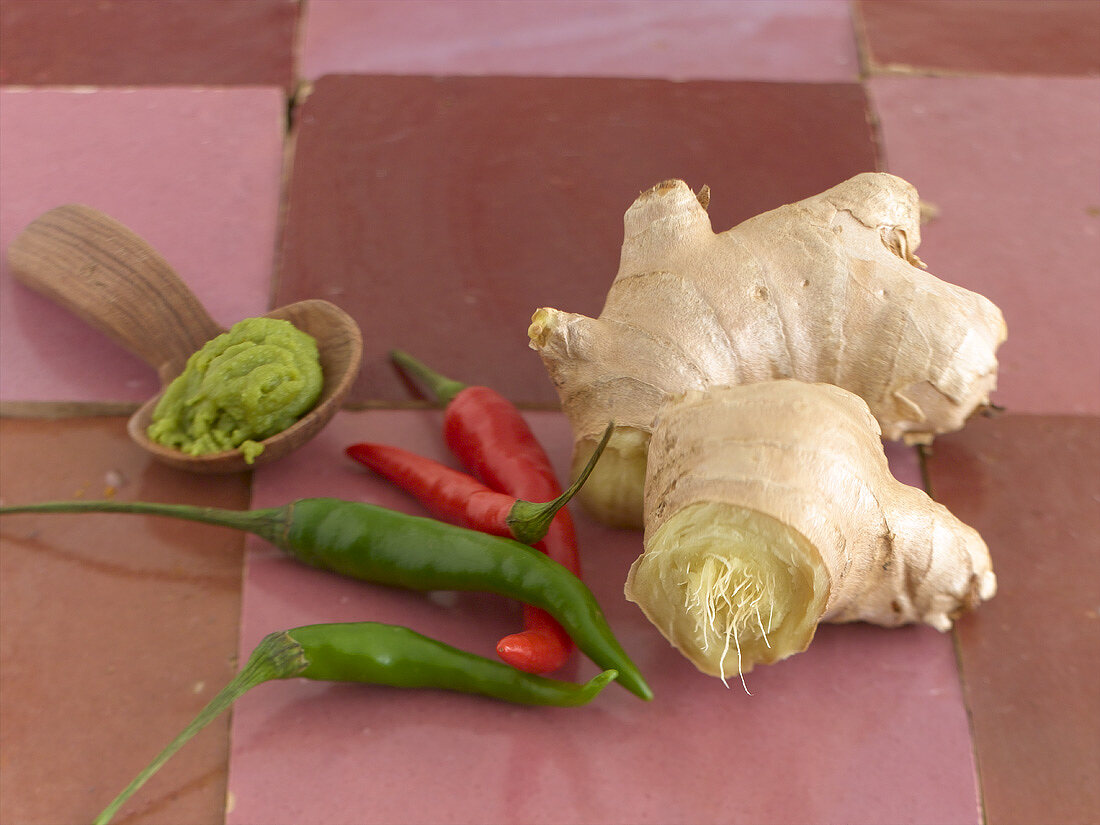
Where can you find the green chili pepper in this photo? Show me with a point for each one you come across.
(378, 654)
(371, 543)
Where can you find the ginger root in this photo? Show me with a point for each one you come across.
(770, 507)
(827, 290)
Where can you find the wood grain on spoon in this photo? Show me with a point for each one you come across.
(107, 275)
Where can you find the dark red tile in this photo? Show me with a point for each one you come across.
(1052, 37)
(114, 630)
(1029, 657)
(142, 42)
(441, 212)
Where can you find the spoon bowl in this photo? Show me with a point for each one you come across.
(111, 278)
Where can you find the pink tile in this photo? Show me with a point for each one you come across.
(1012, 168)
(194, 171)
(866, 722)
(796, 40)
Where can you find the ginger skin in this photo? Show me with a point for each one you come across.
(827, 290)
(770, 507)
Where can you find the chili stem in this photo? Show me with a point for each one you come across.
(528, 520)
(268, 523)
(443, 388)
(278, 656)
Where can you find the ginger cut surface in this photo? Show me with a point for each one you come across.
(769, 508)
(825, 290)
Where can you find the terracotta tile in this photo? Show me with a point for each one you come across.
(115, 629)
(1011, 167)
(1054, 37)
(1030, 670)
(743, 40)
(196, 172)
(128, 43)
(836, 717)
(441, 212)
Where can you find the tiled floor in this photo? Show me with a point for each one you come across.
(446, 168)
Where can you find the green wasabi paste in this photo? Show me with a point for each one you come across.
(244, 386)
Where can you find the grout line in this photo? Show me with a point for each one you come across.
(864, 72)
(59, 410)
(54, 410)
(874, 123)
(909, 70)
(864, 61)
(298, 43)
(292, 99)
(414, 405)
(924, 452)
(282, 205)
(956, 645)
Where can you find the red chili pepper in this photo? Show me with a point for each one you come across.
(489, 435)
(453, 496)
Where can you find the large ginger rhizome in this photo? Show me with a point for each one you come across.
(826, 290)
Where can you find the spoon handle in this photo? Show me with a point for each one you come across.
(104, 273)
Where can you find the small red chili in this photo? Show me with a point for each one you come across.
(458, 498)
(491, 438)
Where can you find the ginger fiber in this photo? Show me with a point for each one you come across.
(769, 507)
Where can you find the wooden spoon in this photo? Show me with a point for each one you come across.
(100, 270)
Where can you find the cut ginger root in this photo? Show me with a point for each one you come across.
(769, 507)
(826, 290)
